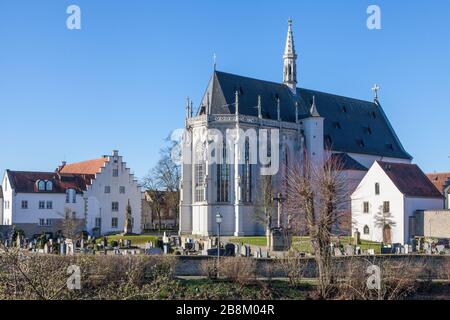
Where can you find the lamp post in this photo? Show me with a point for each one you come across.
(219, 221)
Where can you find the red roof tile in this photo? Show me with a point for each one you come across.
(440, 180)
(84, 167)
(410, 180)
(25, 181)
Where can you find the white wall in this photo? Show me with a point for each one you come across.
(414, 204)
(99, 203)
(33, 213)
(1, 210)
(366, 192)
(7, 199)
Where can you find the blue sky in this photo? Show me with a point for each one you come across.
(121, 81)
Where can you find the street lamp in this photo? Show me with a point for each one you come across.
(219, 221)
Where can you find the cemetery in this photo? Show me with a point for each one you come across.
(199, 267)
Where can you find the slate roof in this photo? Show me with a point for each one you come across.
(440, 180)
(347, 162)
(350, 125)
(25, 181)
(84, 167)
(410, 180)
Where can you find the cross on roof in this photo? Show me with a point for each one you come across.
(375, 89)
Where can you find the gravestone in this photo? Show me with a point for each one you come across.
(356, 238)
(46, 248)
(440, 248)
(166, 248)
(279, 240)
(237, 250)
(349, 250)
(245, 251)
(62, 249)
(371, 252)
(337, 252)
(69, 247)
(229, 249)
(165, 238)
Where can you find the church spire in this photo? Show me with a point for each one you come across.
(290, 61)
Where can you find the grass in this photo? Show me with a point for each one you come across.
(135, 239)
(303, 243)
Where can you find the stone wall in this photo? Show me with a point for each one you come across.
(432, 223)
(435, 266)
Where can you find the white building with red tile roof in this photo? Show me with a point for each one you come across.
(387, 199)
(442, 183)
(95, 191)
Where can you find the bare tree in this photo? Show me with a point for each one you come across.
(385, 221)
(70, 224)
(263, 212)
(157, 204)
(316, 197)
(165, 176)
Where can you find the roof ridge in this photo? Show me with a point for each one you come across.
(299, 88)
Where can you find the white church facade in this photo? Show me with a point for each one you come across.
(95, 192)
(307, 121)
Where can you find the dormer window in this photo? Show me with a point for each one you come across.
(368, 130)
(337, 125)
(40, 185)
(48, 186)
(360, 143)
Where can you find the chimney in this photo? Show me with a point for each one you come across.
(115, 153)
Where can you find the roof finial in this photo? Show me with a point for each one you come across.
(290, 61)
(278, 109)
(375, 89)
(215, 60)
(187, 108)
(259, 107)
(236, 102)
(313, 111)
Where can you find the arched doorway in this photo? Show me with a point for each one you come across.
(387, 234)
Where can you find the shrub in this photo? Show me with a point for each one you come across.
(240, 270)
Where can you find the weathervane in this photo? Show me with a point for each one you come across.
(215, 61)
(375, 89)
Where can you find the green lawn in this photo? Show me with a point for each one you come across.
(303, 244)
(135, 239)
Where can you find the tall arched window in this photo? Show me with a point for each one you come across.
(223, 176)
(246, 180)
(286, 170)
(199, 173)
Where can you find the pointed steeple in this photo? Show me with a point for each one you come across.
(290, 61)
(313, 111)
